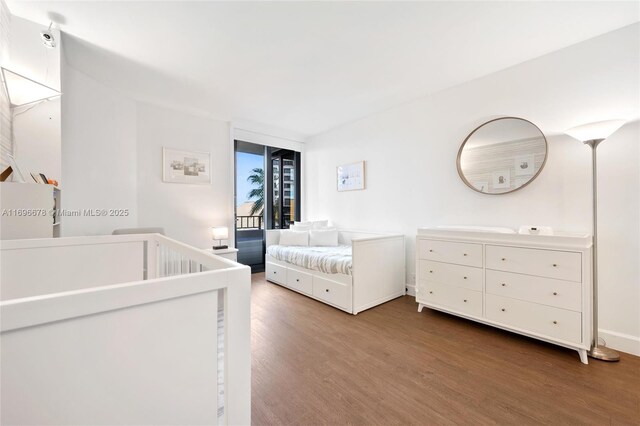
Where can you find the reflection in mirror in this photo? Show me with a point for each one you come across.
(502, 155)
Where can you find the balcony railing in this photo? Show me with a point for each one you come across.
(248, 222)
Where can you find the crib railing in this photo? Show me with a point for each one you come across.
(148, 302)
(174, 258)
(171, 263)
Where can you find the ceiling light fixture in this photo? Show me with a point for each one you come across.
(22, 90)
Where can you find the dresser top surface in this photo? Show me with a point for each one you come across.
(559, 239)
(222, 251)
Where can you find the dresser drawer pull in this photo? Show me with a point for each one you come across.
(555, 265)
(504, 285)
(464, 278)
(503, 309)
(297, 280)
(274, 272)
(555, 322)
(430, 292)
(504, 258)
(464, 254)
(555, 293)
(431, 272)
(430, 251)
(327, 290)
(465, 300)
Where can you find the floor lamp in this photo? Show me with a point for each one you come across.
(593, 134)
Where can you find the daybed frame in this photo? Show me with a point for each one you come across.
(378, 272)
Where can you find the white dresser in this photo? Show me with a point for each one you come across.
(539, 286)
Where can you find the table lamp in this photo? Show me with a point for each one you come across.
(219, 233)
(593, 134)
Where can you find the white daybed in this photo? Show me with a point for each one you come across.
(377, 272)
(123, 329)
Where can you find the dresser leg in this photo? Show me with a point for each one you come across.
(420, 307)
(583, 356)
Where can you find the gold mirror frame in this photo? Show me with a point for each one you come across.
(464, 179)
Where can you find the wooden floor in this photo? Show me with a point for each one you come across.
(313, 364)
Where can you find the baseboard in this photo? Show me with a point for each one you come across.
(621, 342)
(411, 289)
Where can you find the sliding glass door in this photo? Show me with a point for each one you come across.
(285, 188)
(250, 203)
(267, 196)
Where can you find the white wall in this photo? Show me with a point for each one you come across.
(6, 142)
(112, 159)
(411, 173)
(619, 236)
(37, 139)
(185, 211)
(98, 155)
(36, 128)
(29, 56)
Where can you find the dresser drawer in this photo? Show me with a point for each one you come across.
(545, 320)
(300, 281)
(332, 292)
(276, 273)
(547, 291)
(449, 252)
(562, 265)
(457, 298)
(451, 275)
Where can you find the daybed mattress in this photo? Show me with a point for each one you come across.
(330, 260)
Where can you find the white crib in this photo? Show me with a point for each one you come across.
(122, 329)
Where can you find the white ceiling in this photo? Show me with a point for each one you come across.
(310, 66)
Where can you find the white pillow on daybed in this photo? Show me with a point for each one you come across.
(316, 224)
(302, 223)
(289, 237)
(327, 237)
(300, 227)
(320, 224)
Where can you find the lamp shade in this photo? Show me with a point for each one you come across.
(219, 233)
(595, 131)
(22, 90)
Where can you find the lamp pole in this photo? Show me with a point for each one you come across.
(598, 352)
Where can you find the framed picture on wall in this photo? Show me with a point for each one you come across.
(180, 166)
(351, 176)
(525, 165)
(482, 186)
(502, 179)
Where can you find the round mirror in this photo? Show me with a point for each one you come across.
(502, 155)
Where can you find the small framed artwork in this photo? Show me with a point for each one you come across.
(180, 166)
(525, 165)
(501, 179)
(351, 176)
(482, 186)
